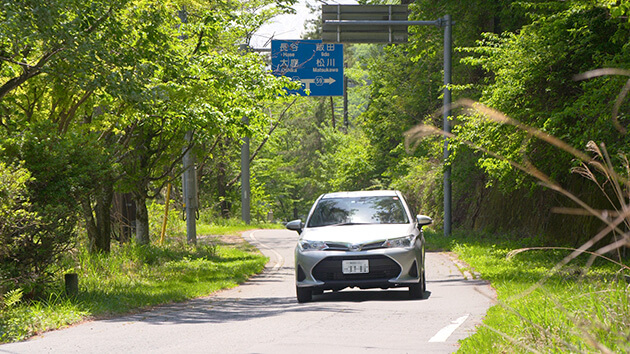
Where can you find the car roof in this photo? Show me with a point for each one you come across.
(355, 194)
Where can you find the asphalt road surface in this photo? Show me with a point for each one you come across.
(263, 316)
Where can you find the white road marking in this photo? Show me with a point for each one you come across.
(443, 334)
(279, 258)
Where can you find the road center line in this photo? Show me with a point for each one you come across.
(279, 258)
(443, 334)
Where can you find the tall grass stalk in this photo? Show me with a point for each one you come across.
(575, 309)
(557, 307)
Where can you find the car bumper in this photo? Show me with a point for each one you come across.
(389, 267)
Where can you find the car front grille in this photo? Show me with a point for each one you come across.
(357, 247)
(381, 268)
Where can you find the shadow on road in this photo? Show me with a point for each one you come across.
(223, 310)
(460, 281)
(367, 295)
(268, 276)
(228, 308)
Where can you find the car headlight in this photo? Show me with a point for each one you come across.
(307, 245)
(399, 242)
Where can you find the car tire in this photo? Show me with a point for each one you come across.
(415, 291)
(424, 283)
(304, 294)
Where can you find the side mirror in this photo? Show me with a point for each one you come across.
(295, 225)
(423, 220)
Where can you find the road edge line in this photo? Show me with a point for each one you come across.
(279, 259)
(443, 334)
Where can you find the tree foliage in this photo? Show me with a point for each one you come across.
(95, 99)
(534, 82)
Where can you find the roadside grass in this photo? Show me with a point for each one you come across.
(232, 227)
(133, 278)
(576, 308)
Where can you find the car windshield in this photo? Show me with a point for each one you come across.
(359, 210)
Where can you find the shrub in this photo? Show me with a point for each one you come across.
(29, 243)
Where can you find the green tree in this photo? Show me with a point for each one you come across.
(533, 82)
(62, 61)
(124, 81)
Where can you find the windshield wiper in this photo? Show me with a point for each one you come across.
(349, 223)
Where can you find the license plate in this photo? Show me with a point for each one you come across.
(355, 266)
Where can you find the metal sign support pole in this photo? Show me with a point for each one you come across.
(448, 44)
(345, 104)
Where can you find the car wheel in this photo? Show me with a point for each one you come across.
(415, 291)
(304, 294)
(424, 282)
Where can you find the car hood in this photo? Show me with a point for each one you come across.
(358, 233)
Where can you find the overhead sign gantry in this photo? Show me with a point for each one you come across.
(388, 24)
(365, 23)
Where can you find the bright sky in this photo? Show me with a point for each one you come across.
(290, 26)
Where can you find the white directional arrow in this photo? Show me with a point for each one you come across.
(318, 81)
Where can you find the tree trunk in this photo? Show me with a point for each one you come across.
(332, 110)
(90, 225)
(103, 210)
(142, 220)
(98, 220)
(124, 216)
(224, 205)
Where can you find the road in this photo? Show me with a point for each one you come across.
(263, 316)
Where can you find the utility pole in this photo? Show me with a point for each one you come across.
(245, 175)
(245, 186)
(189, 179)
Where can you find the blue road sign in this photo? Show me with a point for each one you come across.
(319, 66)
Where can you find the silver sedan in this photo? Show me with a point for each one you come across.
(366, 239)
